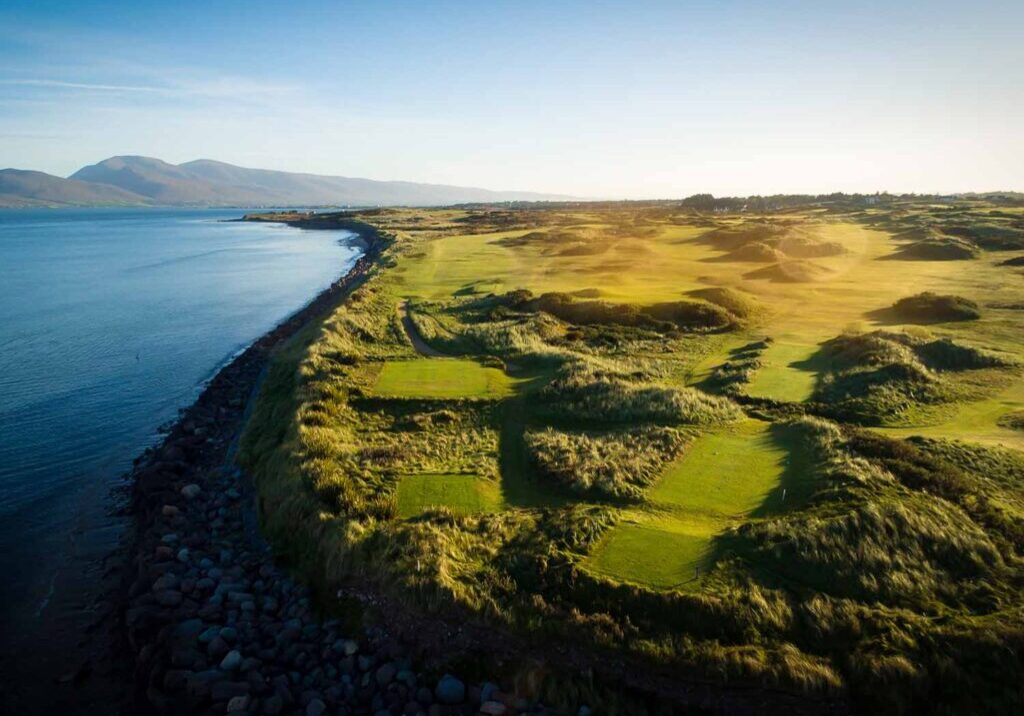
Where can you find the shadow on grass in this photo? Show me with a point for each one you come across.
(797, 483)
(520, 485)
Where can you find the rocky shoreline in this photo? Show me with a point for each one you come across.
(211, 623)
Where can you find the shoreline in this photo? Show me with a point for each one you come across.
(208, 621)
(185, 471)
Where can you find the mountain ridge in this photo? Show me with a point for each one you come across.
(147, 181)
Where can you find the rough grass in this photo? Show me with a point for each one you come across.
(583, 393)
(619, 463)
(889, 575)
(876, 376)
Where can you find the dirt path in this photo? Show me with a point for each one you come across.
(420, 345)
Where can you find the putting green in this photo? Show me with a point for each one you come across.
(723, 478)
(462, 494)
(441, 378)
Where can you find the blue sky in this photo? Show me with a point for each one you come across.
(591, 98)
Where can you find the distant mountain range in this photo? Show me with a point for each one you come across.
(145, 181)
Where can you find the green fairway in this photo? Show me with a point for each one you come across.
(976, 421)
(724, 477)
(460, 493)
(441, 378)
(728, 473)
(786, 373)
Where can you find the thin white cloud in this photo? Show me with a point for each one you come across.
(60, 84)
(218, 88)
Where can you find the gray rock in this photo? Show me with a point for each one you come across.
(273, 705)
(227, 690)
(189, 629)
(209, 634)
(385, 674)
(238, 703)
(168, 598)
(493, 708)
(231, 661)
(316, 707)
(169, 580)
(190, 492)
(450, 690)
(217, 647)
(199, 684)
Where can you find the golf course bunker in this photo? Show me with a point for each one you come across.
(785, 373)
(441, 378)
(724, 477)
(461, 493)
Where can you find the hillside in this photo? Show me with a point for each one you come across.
(315, 189)
(21, 188)
(205, 182)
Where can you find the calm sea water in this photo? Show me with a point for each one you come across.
(110, 321)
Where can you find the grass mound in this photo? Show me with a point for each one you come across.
(876, 375)
(674, 315)
(729, 377)
(1013, 420)
(618, 464)
(990, 236)
(583, 393)
(794, 271)
(756, 251)
(770, 241)
(740, 304)
(560, 242)
(730, 238)
(804, 247)
(928, 307)
(938, 249)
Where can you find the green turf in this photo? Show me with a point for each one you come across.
(661, 553)
(975, 421)
(462, 494)
(725, 473)
(786, 374)
(441, 378)
(724, 477)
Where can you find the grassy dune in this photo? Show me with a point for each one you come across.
(640, 430)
